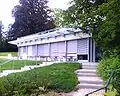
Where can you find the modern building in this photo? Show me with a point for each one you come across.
(68, 44)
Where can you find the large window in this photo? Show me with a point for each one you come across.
(82, 57)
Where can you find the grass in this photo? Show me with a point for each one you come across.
(16, 64)
(6, 53)
(2, 61)
(58, 77)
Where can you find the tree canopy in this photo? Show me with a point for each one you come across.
(61, 17)
(101, 17)
(31, 16)
(1, 27)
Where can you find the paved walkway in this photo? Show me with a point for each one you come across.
(89, 81)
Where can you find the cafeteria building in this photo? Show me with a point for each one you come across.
(64, 44)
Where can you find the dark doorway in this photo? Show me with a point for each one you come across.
(82, 57)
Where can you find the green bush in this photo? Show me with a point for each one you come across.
(58, 77)
(106, 66)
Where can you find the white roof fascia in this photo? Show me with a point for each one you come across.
(50, 33)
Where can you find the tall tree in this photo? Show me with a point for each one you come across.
(83, 12)
(1, 27)
(31, 16)
(61, 17)
(58, 16)
(101, 17)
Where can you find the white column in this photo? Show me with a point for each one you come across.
(49, 46)
(94, 54)
(26, 51)
(36, 51)
(90, 50)
(66, 50)
(18, 51)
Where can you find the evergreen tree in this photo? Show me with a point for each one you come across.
(1, 27)
(31, 16)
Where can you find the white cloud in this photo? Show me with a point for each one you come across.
(63, 4)
(5, 10)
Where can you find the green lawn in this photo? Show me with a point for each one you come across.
(2, 60)
(16, 64)
(59, 77)
(6, 53)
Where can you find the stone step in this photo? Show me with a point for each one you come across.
(87, 74)
(88, 67)
(90, 79)
(90, 63)
(92, 82)
(89, 86)
(85, 71)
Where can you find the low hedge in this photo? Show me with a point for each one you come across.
(58, 77)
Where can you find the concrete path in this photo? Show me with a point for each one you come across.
(89, 81)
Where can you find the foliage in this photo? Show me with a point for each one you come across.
(106, 66)
(1, 27)
(99, 17)
(109, 27)
(6, 47)
(57, 77)
(61, 18)
(31, 16)
(110, 94)
(83, 12)
(17, 64)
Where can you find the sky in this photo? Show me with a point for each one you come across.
(6, 7)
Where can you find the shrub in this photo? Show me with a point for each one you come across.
(106, 66)
(58, 77)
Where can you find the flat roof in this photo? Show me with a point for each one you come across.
(47, 34)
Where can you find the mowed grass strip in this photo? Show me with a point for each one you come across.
(59, 77)
(17, 64)
(2, 61)
(6, 53)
